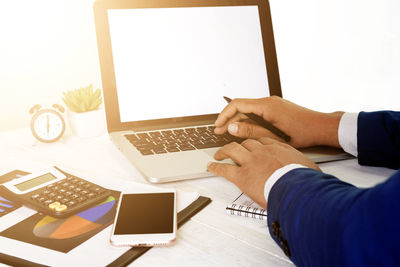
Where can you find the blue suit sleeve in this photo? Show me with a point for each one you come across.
(378, 139)
(319, 220)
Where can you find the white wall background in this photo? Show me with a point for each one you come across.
(332, 54)
(339, 54)
(46, 47)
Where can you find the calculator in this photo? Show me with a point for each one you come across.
(54, 192)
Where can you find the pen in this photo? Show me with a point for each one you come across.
(266, 124)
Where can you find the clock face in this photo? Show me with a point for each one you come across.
(47, 125)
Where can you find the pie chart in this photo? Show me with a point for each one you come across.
(78, 224)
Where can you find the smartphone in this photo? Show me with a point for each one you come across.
(145, 219)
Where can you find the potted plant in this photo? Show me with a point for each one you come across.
(85, 117)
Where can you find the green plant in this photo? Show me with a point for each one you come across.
(83, 99)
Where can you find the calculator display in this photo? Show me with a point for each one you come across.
(35, 182)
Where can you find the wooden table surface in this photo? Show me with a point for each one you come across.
(210, 238)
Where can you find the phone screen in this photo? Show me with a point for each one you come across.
(145, 214)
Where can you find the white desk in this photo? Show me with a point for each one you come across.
(210, 238)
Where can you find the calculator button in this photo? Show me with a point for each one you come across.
(61, 208)
(74, 196)
(87, 186)
(51, 195)
(90, 195)
(59, 197)
(41, 199)
(65, 184)
(98, 190)
(81, 199)
(75, 180)
(84, 192)
(78, 189)
(54, 205)
(68, 193)
(62, 191)
(50, 186)
(45, 192)
(70, 178)
(71, 203)
(47, 202)
(35, 196)
(56, 188)
(81, 183)
(71, 187)
(64, 200)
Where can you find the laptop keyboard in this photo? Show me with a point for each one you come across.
(169, 141)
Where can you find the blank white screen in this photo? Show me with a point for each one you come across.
(175, 62)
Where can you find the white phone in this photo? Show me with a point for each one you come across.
(145, 219)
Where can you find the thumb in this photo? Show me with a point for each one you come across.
(248, 130)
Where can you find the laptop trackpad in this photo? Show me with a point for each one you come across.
(211, 151)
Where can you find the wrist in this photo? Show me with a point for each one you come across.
(326, 129)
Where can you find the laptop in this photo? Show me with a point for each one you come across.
(165, 66)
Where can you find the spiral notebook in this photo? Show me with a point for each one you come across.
(246, 207)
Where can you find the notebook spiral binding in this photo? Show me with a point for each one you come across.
(245, 211)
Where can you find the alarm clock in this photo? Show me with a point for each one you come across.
(47, 125)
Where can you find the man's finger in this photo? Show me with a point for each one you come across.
(238, 106)
(224, 128)
(234, 151)
(251, 144)
(225, 170)
(249, 130)
(269, 141)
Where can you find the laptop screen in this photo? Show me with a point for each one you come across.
(177, 62)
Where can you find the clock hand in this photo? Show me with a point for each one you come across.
(48, 124)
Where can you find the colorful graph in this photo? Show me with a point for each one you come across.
(76, 225)
(7, 206)
(4, 204)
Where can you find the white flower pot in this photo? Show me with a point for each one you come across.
(87, 124)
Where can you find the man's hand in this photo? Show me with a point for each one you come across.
(256, 160)
(306, 127)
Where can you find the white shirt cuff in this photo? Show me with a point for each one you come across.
(347, 133)
(276, 175)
